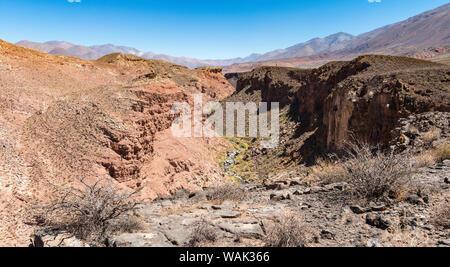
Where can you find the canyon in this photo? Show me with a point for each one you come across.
(363, 156)
(64, 118)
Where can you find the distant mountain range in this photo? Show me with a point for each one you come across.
(427, 31)
(62, 48)
(97, 51)
(426, 35)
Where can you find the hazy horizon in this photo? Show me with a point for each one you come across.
(200, 29)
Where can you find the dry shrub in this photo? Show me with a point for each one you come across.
(227, 191)
(431, 157)
(287, 231)
(373, 174)
(326, 172)
(126, 224)
(432, 135)
(443, 152)
(425, 159)
(91, 213)
(202, 234)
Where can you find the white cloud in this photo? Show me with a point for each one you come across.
(374, 1)
(79, 1)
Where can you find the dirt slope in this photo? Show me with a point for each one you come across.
(62, 118)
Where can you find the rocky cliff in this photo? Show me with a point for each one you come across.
(361, 99)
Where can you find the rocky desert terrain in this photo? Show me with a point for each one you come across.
(363, 158)
(63, 117)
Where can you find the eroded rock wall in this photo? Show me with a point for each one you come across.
(362, 99)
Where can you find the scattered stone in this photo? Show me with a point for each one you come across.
(229, 214)
(335, 186)
(446, 180)
(178, 237)
(280, 197)
(189, 221)
(378, 221)
(414, 199)
(198, 195)
(247, 230)
(359, 210)
(325, 234)
(379, 208)
(59, 240)
(340, 186)
(317, 189)
(373, 243)
(73, 242)
(277, 186)
(166, 203)
(307, 191)
(349, 220)
(228, 203)
(444, 242)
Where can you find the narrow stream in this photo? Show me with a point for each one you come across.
(230, 162)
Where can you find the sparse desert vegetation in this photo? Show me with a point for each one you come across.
(373, 174)
(203, 234)
(227, 191)
(432, 135)
(91, 213)
(289, 230)
(443, 152)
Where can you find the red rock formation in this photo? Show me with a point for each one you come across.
(62, 118)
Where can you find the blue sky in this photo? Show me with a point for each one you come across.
(207, 29)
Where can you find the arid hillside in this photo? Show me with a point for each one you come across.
(63, 118)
